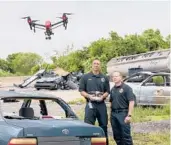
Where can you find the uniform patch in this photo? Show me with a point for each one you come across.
(121, 90)
(102, 79)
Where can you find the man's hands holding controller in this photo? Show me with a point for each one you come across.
(92, 97)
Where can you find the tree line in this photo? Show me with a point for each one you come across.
(103, 49)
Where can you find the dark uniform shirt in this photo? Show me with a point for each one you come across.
(120, 96)
(91, 82)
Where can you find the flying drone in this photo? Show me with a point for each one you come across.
(48, 26)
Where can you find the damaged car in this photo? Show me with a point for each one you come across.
(65, 82)
(150, 88)
(41, 119)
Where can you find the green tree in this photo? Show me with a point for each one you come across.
(153, 40)
(168, 39)
(23, 62)
(114, 46)
(10, 59)
(4, 65)
(133, 45)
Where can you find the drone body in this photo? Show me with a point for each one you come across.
(48, 26)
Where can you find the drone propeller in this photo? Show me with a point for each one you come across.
(62, 18)
(35, 20)
(59, 17)
(25, 17)
(67, 13)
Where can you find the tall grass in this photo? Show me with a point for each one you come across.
(142, 114)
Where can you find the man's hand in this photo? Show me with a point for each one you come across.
(91, 97)
(100, 98)
(127, 119)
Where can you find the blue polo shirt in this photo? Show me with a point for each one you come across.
(120, 96)
(91, 82)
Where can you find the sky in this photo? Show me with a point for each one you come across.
(91, 21)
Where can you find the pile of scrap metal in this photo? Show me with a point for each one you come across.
(31, 79)
(53, 81)
(65, 82)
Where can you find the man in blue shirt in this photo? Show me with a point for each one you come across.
(94, 86)
(122, 104)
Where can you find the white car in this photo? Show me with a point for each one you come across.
(150, 88)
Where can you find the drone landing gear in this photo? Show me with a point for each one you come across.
(48, 38)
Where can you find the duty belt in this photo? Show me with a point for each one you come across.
(120, 110)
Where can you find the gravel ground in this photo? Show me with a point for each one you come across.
(152, 126)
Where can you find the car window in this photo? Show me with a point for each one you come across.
(53, 108)
(12, 107)
(137, 78)
(157, 80)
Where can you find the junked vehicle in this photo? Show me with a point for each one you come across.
(41, 119)
(66, 82)
(150, 88)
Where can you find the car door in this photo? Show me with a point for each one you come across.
(154, 90)
(134, 82)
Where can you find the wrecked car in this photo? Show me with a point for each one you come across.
(41, 119)
(65, 82)
(150, 88)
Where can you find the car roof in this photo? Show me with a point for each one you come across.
(25, 94)
(146, 72)
(153, 73)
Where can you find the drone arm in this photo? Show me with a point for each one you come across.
(40, 28)
(57, 26)
(41, 25)
(57, 23)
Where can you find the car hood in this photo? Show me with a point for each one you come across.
(56, 128)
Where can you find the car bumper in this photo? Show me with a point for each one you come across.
(45, 85)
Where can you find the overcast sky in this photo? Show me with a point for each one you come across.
(91, 21)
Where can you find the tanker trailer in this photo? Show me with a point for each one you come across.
(154, 61)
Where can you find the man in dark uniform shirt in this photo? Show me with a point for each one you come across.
(122, 104)
(90, 84)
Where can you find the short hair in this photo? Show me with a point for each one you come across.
(95, 59)
(117, 72)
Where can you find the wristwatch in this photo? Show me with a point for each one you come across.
(129, 115)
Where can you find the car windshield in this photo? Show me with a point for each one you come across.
(138, 78)
(15, 108)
